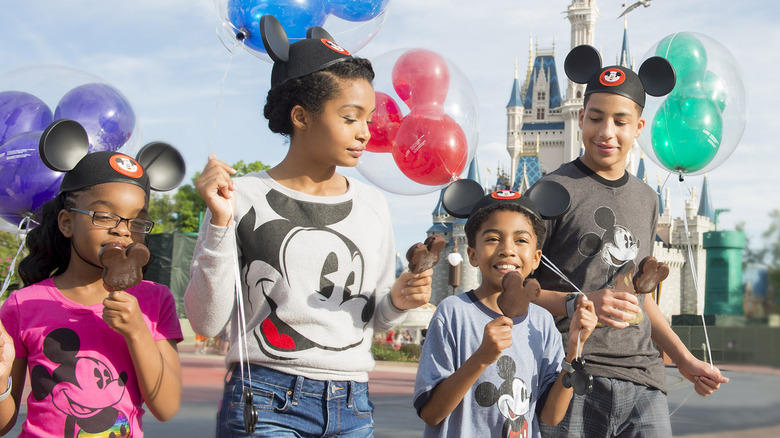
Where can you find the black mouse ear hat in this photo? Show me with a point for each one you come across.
(545, 200)
(314, 53)
(656, 75)
(64, 147)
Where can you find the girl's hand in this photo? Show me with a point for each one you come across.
(583, 322)
(121, 313)
(411, 291)
(216, 188)
(7, 353)
(497, 337)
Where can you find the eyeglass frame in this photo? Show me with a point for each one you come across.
(121, 219)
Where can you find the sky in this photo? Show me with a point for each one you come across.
(187, 89)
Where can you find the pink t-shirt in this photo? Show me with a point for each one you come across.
(81, 373)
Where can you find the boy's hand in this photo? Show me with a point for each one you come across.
(7, 352)
(706, 379)
(121, 313)
(216, 188)
(496, 338)
(411, 291)
(608, 304)
(582, 324)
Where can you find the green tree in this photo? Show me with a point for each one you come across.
(9, 245)
(181, 211)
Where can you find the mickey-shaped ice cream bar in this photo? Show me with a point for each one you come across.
(424, 256)
(648, 274)
(314, 53)
(517, 293)
(123, 267)
(545, 200)
(656, 75)
(64, 147)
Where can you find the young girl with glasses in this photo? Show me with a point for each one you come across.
(94, 357)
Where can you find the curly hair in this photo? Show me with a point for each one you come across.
(311, 92)
(476, 220)
(48, 249)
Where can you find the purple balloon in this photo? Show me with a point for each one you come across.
(103, 112)
(25, 182)
(21, 112)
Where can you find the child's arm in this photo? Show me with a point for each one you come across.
(15, 369)
(447, 395)
(156, 363)
(583, 322)
(706, 379)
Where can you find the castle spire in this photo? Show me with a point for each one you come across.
(660, 198)
(705, 204)
(625, 56)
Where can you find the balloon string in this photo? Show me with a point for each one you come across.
(548, 263)
(695, 277)
(219, 96)
(243, 347)
(21, 235)
(682, 402)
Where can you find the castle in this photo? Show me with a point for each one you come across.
(542, 134)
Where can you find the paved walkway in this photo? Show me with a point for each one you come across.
(746, 407)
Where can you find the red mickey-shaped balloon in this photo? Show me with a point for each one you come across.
(421, 77)
(384, 124)
(430, 147)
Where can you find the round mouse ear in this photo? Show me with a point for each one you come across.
(657, 76)
(163, 164)
(63, 144)
(582, 63)
(318, 33)
(460, 197)
(551, 199)
(274, 38)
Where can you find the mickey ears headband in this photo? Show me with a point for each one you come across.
(545, 200)
(656, 75)
(314, 53)
(64, 147)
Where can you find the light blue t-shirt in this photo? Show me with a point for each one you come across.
(502, 402)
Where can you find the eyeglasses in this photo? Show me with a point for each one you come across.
(110, 220)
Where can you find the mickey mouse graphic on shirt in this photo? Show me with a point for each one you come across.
(618, 248)
(326, 284)
(85, 389)
(512, 399)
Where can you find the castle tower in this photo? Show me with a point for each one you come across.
(514, 127)
(452, 230)
(582, 14)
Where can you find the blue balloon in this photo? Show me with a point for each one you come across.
(21, 112)
(295, 16)
(357, 10)
(26, 182)
(104, 113)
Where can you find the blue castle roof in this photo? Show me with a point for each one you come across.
(546, 62)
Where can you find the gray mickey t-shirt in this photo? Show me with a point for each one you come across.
(508, 394)
(608, 230)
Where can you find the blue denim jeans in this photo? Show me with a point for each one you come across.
(293, 406)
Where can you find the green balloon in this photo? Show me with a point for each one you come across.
(686, 133)
(685, 52)
(704, 84)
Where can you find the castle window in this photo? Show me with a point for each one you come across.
(540, 95)
(579, 94)
(540, 114)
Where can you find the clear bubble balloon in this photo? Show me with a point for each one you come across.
(351, 23)
(425, 130)
(699, 124)
(34, 93)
